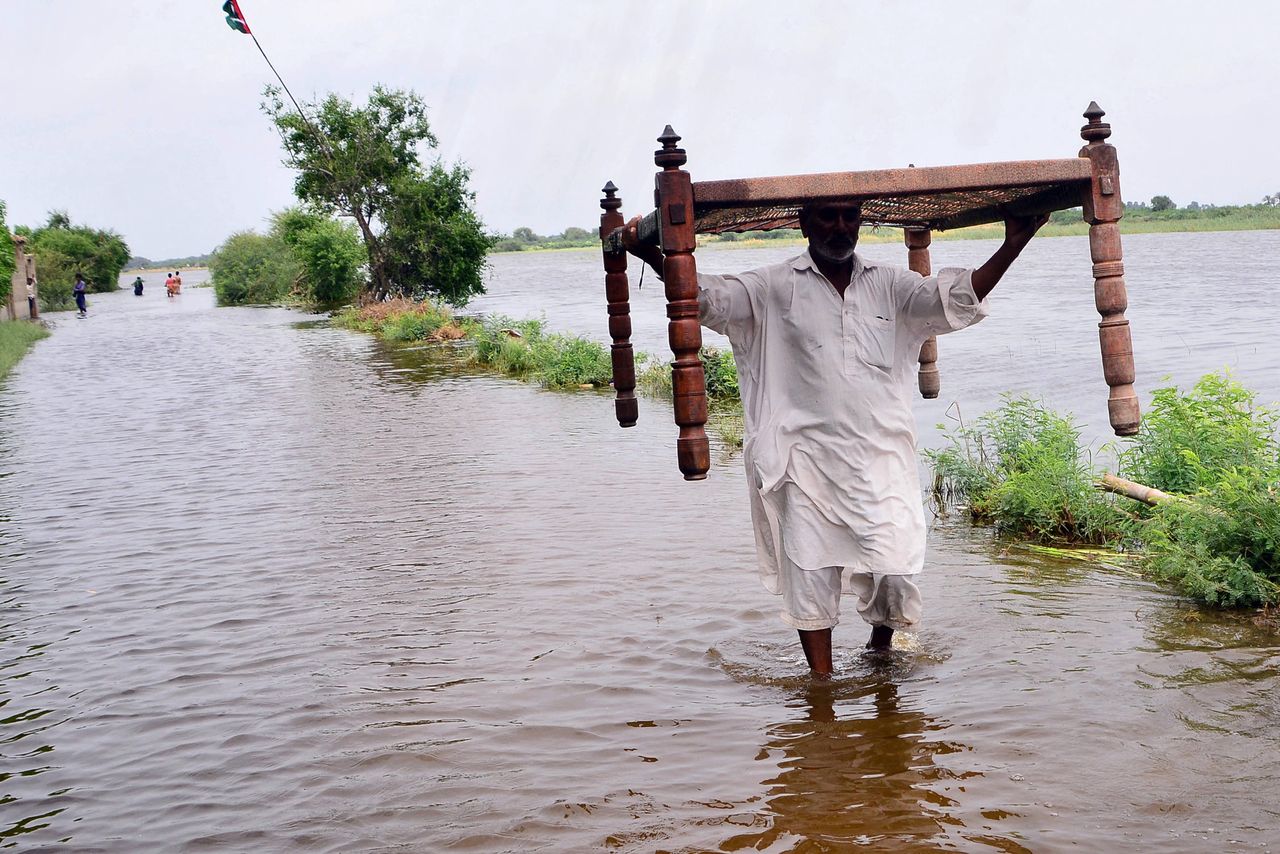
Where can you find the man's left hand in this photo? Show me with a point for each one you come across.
(1019, 230)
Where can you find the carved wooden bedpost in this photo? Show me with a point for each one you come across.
(918, 240)
(1103, 210)
(615, 289)
(673, 197)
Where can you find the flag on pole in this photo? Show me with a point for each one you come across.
(235, 18)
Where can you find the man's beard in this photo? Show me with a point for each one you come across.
(837, 250)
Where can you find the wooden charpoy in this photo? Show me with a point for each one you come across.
(917, 200)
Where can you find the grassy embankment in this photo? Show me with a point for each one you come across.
(526, 350)
(16, 338)
(1020, 469)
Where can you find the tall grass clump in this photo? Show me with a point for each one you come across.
(1023, 469)
(524, 348)
(16, 337)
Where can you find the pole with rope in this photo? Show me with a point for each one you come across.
(237, 22)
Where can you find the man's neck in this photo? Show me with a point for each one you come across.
(838, 273)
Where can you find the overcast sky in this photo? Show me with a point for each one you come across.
(142, 115)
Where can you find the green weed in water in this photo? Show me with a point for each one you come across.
(1022, 469)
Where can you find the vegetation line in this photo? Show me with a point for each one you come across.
(16, 338)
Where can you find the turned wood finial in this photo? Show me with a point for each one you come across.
(610, 200)
(1096, 130)
(669, 157)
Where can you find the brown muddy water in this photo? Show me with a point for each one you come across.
(267, 585)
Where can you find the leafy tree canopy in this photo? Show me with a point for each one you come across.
(417, 223)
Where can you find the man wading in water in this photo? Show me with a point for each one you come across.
(826, 348)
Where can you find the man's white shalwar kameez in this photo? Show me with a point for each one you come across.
(826, 387)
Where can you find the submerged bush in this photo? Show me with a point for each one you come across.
(523, 348)
(1022, 468)
(403, 320)
(253, 269)
(1213, 449)
(1188, 441)
(653, 375)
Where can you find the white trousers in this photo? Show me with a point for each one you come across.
(811, 597)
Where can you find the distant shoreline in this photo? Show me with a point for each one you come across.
(1141, 222)
(993, 231)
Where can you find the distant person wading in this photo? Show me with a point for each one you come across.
(79, 290)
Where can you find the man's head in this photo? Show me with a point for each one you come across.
(832, 229)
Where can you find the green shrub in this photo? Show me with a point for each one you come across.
(253, 269)
(653, 375)
(62, 250)
(7, 263)
(1187, 441)
(1223, 547)
(566, 361)
(330, 253)
(1023, 469)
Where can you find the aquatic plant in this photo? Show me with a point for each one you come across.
(1189, 440)
(1022, 469)
(1213, 449)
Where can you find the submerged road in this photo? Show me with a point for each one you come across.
(267, 585)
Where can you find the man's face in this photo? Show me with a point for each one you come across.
(832, 230)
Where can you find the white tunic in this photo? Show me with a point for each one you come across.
(826, 386)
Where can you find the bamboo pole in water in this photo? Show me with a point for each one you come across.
(1130, 489)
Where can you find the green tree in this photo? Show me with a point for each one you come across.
(63, 249)
(252, 269)
(330, 254)
(364, 162)
(572, 233)
(435, 244)
(7, 261)
(1162, 203)
(525, 235)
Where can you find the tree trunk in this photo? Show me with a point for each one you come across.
(380, 286)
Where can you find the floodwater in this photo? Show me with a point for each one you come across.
(267, 585)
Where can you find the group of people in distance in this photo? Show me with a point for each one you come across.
(172, 287)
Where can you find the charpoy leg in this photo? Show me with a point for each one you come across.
(615, 287)
(674, 197)
(1103, 210)
(930, 380)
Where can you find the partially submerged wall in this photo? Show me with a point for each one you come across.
(18, 306)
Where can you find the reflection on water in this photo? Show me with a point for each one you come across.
(268, 586)
(855, 768)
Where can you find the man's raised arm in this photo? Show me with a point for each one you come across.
(1018, 232)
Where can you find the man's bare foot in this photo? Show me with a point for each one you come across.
(881, 638)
